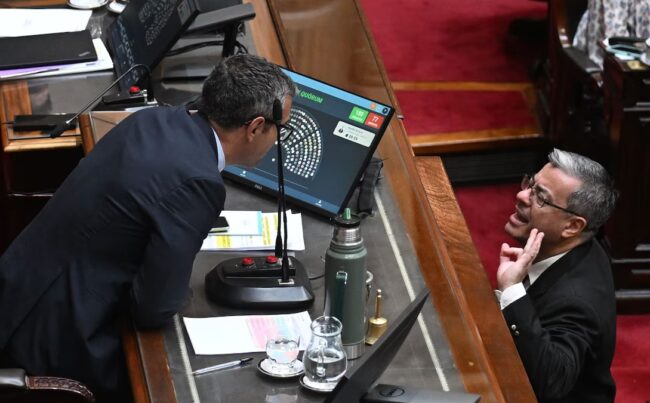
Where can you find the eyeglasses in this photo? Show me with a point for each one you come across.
(285, 130)
(528, 182)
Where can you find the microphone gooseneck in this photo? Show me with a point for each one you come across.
(61, 127)
(280, 243)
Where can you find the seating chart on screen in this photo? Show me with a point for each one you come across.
(303, 151)
(335, 133)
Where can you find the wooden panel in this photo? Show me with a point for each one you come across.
(264, 34)
(479, 140)
(149, 371)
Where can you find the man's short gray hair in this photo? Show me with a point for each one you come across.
(242, 87)
(596, 197)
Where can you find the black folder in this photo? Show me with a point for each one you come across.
(46, 50)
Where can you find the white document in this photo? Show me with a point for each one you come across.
(29, 21)
(243, 222)
(103, 62)
(266, 241)
(245, 334)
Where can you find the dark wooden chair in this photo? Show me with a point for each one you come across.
(17, 387)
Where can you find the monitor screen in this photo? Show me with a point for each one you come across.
(145, 31)
(335, 134)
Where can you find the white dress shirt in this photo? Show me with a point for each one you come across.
(516, 291)
(222, 157)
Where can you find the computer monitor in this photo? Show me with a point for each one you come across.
(335, 135)
(355, 384)
(145, 31)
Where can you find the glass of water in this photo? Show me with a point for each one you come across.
(282, 352)
(324, 359)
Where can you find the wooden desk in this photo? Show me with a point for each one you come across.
(627, 112)
(328, 39)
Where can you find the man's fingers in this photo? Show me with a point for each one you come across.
(531, 238)
(503, 255)
(532, 247)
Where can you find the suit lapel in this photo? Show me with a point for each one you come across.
(558, 269)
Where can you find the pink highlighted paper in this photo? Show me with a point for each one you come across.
(245, 334)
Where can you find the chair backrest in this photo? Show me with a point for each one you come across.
(17, 387)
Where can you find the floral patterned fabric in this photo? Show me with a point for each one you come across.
(607, 18)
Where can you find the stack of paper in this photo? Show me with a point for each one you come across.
(245, 334)
(242, 235)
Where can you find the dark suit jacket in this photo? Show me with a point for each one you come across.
(565, 328)
(119, 235)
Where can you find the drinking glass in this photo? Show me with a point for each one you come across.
(282, 352)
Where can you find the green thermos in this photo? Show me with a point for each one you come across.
(345, 282)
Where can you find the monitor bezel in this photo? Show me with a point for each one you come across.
(371, 151)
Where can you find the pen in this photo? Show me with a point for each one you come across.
(225, 365)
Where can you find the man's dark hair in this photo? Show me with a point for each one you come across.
(596, 197)
(241, 88)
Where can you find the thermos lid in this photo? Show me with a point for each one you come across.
(347, 219)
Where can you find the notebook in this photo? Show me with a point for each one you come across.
(46, 50)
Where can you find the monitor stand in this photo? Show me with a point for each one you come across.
(209, 26)
(382, 393)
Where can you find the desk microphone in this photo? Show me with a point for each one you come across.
(67, 124)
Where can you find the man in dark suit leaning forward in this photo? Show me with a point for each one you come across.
(121, 233)
(561, 310)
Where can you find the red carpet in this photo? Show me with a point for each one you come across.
(451, 40)
(631, 367)
(455, 41)
(486, 209)
(428, 112)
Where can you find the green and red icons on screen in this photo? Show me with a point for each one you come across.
(367, 118)
(374, 120)
(358, 114)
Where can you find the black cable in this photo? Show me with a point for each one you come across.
(194, 46)
(241, 47)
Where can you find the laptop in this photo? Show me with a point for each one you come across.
(46, 50)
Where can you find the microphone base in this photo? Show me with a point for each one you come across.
(259, 285)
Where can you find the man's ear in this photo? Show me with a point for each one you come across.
(574, 226)
(254, 128)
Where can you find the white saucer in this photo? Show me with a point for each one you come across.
(265, 366)
(645, 59)
(316, 386)
(86, 4)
